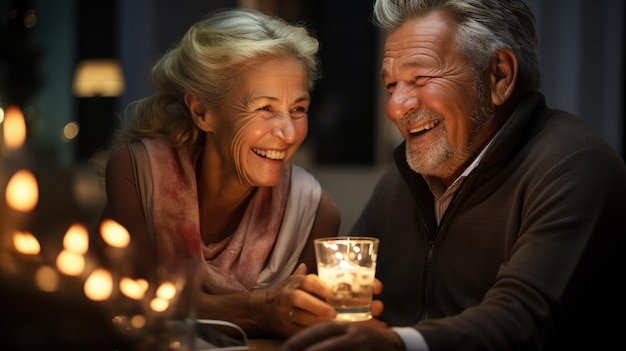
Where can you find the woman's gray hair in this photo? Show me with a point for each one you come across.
(484, 26)
(208, 62)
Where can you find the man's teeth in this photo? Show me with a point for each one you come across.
(271, 154)
(423, 127)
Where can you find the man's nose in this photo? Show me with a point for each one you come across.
(402, 101)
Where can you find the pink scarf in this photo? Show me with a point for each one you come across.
(233, 264)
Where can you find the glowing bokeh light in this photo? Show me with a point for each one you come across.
(47, 279)
(166, 291)
(159, 305)
(70, 263)
(30, 19)
(22, 192)
(99, 285)
(134, 289)
(114, 234)
(70, 131)
(76, 239)
(14, 130)
(138, 321)
(26, 243)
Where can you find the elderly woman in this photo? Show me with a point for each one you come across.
(202, 169)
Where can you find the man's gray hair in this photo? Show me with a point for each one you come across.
(484, 26)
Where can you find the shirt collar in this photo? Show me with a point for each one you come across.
(437, 187)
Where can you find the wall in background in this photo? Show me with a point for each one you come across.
(581, 47)
(581, 44)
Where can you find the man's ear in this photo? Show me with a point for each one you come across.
(503, 76)
(199, 113)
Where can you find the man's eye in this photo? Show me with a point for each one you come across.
(265, 108)
(422, 80)
(390, 87)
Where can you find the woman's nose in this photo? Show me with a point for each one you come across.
(402, 101)
(285, 130)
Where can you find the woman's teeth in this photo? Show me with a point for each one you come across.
(271, 154)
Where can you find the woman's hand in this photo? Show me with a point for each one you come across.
(377, 305)
(298, 302)
(294, 303)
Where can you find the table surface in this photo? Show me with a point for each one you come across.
(264, 344)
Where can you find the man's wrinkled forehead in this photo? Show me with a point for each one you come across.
(419, 38)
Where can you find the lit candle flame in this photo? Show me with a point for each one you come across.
(134, 289)
(70, 263)
(76, 239)
(26, 243)
(22, 192)
(99, 285)
(14, 131)
(114, 234)
(166, 291)
(159, 305)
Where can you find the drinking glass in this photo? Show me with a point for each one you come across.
(348, 265)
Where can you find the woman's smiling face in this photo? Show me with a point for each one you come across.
(263, 121)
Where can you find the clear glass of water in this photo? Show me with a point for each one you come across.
(347, 264)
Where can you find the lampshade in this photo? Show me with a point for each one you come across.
(98, 77)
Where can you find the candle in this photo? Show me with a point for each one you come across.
(99, 285)
(14, 131)
(19, 185)
(26, 243)
(114, 234)
(76, 239)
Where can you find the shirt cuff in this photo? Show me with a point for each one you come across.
(412, 339)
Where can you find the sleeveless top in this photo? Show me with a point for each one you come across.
(267, 243)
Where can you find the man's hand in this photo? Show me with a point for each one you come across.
(361, 336)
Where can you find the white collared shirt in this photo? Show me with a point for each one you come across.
(443, 196)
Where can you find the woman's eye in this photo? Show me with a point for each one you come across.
(300, 109)
(298, 112)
